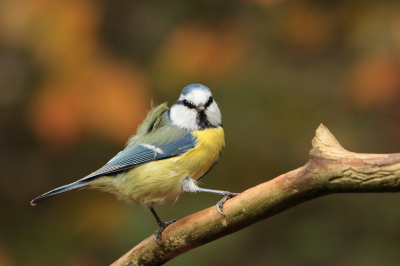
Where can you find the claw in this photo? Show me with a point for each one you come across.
(227, 195)
(162, 225)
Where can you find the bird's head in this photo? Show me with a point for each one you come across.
(195, 109)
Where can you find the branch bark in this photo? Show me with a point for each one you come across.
(330, 169)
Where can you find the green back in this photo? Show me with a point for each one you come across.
(156, 128)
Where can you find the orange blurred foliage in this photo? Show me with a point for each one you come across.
(84, 89)
(308, 27)
(194, 52)
(56, 115)
(265, 2)
(56, 31)
(106, 99)
(5, 258)
(375, 80)
(87, 216)
(83, 261)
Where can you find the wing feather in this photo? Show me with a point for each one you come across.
(139, 154)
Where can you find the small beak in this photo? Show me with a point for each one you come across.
(200, 107)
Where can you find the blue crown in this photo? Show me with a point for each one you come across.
(192, 87)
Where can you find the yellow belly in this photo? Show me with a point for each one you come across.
(159, 181)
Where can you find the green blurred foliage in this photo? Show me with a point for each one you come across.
(76, 78)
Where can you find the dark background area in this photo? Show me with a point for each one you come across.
(77, 77)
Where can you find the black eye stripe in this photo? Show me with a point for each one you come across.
(209, 102)
(187, 104)
(192, 106)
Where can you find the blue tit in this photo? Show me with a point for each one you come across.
(172, 149)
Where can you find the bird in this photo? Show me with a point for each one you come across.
(171, 151)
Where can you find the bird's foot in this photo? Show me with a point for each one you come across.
(162, 225)
(227, 195)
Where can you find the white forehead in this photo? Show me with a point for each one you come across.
(196, 96)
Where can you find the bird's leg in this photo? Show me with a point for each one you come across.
(189, 185)
(161, 224)
(227, 195)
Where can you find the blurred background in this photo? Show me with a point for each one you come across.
(76, 78)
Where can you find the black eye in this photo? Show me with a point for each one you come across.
(188, 104)
(209, 102)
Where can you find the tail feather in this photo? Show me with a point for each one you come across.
(67, 188)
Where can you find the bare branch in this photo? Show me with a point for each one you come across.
(330, 169)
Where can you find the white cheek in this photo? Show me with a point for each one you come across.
(213, 114)
(184, 117)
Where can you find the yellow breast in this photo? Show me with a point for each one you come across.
(201, 158)
(159, 181)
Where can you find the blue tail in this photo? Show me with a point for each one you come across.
(67, 188)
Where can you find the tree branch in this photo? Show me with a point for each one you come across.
(330, 169)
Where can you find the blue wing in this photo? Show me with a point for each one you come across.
(143, 153)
